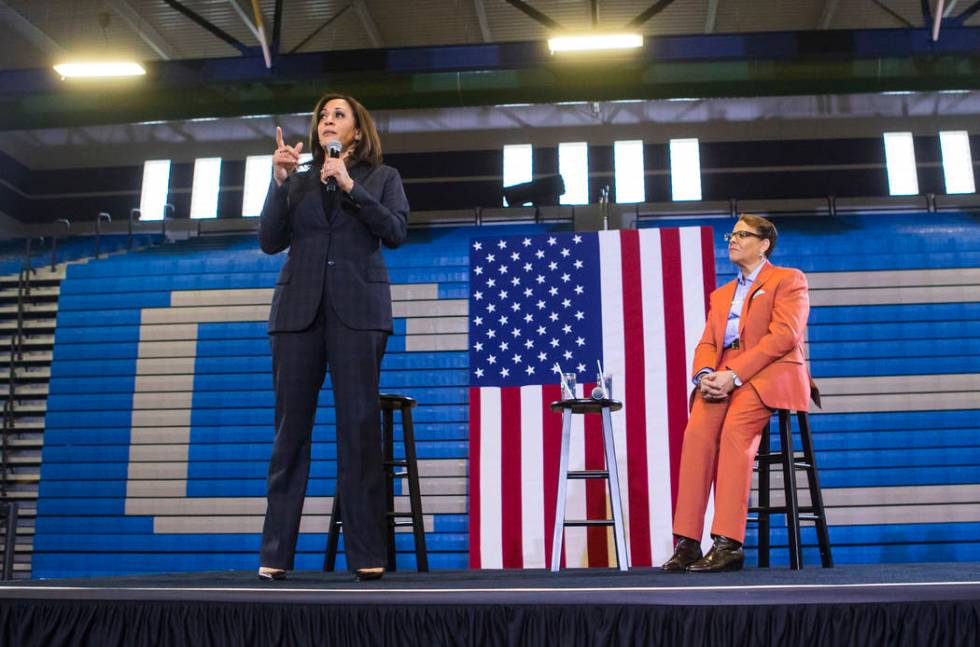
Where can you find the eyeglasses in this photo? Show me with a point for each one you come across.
(742, 235)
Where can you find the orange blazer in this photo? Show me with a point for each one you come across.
(770, 333)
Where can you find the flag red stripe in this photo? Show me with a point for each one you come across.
(676, 353)
(634, 390)
(708, 264)
(595, 490)
(550, 454)
(510, 483)
(475, 477)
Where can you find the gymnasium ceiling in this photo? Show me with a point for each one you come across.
(205, 59)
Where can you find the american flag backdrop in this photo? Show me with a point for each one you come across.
(634, 300)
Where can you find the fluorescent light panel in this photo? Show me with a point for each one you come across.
(900, 164)
(573, 165)
(517, 165)
(685, 170)
(92, 70)
(630, 178)
(258, 175)
(204, 193)
(156, 186)
(957, 161)
(593, 42)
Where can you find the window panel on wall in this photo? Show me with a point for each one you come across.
(685, 169)
(204, 191)
(156, 186)
(258, 175)
(900, 164)
(957, 161)
(518, 165)
(573, 166)
(630, 176)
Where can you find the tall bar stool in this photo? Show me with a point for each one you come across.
(611, 474)
(794, 512)
(390, 403)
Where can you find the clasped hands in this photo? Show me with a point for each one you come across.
(286, 159)
(716, 386)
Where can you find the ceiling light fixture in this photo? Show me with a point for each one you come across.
(594, 42)
(92, 70)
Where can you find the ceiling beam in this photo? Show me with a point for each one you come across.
(711, 20)
(967, 13)
(534, 14)
(594, 12)
(937, 21)
(257, 27)
(209, 26)
(277, 27)
(326, 23)
(367, 21)
(949, 8)
(143, 29)
(828, 13)
(650, 12)
(28, 30)
(481, 17)
(894, 14)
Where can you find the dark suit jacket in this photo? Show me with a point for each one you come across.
(343, 248)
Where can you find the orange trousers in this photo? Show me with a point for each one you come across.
(720, 444)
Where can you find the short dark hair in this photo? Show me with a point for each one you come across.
(366, 149)
(763, 227)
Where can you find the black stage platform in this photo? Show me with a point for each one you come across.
(919, 604)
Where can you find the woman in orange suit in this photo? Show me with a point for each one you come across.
(749, 361)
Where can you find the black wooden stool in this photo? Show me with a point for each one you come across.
(610, 474)
(408, 468)
(793, 511)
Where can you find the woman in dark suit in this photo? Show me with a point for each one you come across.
(331, 307)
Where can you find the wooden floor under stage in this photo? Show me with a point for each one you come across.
(883, 604)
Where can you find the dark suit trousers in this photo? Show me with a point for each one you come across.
(299, 362)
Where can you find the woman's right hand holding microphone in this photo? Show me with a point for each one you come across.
(285, 159)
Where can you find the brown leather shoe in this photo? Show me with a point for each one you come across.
(725, 555)
(686, 552)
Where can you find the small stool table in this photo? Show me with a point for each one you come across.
(586, 406)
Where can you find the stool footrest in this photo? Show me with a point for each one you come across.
(588, 474)
(405, 515)
(588, 522)
(395, 463)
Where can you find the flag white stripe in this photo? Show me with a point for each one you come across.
(491, 537)
(576, 540)
(614, 352)
(532, 477)
(655, 396)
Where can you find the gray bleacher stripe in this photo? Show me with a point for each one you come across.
(206, 314)
(162, 383)
(168, 332)
(161, 418)
(172, 400)
(219, 506)
(439, 485)
(878, 496)
(895, 295)
(900, 402)
(435, 326)
(159, 435)
(158, 453)
(893, 278)
(435, 308)
(900, 384)
(904, 514)
(156, 488)
(166, 366)
(414, 291)
(169, 471)
(149, 349)
(223, 297)
(443, 466)
(419, 343)
(318, 524)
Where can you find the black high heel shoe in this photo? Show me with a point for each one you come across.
(368, 574)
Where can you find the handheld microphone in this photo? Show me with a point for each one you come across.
(333, 150)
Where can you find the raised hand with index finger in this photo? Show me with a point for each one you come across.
(285, 159)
